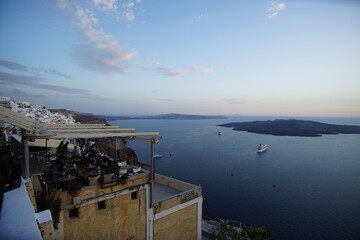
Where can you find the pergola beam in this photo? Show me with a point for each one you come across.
(67, 130)
(17, 119)
(76, 126)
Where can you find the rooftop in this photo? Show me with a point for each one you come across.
(16, 206)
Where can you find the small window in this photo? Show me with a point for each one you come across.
(134, 195)
(74, 213)
(101, 205)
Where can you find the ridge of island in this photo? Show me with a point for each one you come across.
(292, 127)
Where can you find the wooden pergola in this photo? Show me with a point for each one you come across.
(31, 129)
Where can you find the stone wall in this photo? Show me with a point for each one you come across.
(123, 218)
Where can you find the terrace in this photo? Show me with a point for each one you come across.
(99, 176)
(116, 176)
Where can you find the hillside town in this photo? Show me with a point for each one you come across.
(39, 113)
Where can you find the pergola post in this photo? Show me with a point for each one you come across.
(116, 148)
(152, 173)
(46, 149)
(25, 160)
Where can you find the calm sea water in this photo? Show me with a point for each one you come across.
(317, 179)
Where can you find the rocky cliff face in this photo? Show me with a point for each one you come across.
(83, 118)
(104, 145)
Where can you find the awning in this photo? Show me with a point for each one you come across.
(18, 119)
(63, 131)
(51, 143)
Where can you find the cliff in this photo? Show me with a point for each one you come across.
(104, 145)
(83, 118)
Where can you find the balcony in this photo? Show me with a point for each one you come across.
(170, 192)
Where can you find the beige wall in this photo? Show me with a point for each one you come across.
(175, 201)
(123, 218)
(89, 192)
(180, 225)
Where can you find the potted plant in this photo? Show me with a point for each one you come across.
(93, 178)
(108, 174)
(123, 179)
(74, 188)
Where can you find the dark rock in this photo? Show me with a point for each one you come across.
(292, 128)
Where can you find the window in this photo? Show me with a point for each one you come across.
(101, 205)
(134, 195)
(74, 213)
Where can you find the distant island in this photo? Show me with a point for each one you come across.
(292, 127)
(93, 118)
(169, 116)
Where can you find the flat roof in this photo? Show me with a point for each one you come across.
(162, 192)
(17, 216)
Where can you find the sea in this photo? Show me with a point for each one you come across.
(300, 188)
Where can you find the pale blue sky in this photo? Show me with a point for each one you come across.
(286, 58)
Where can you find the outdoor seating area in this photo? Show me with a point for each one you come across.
(88, 169)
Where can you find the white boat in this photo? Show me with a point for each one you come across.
(261, 148)
(157, 156)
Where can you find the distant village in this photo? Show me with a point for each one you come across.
(39, 113)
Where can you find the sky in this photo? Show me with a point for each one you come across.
(278, 58)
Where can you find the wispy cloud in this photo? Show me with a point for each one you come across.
(124, 10)
(37, 82)
(13, 66)
(169, 72)
(273, 11)
(129, 15)
(166, 99)
(129, 12)
(154, 62)
(199, 17)
(100, 53)
(17, 94)
(235, 101)
(106, 5)
(34, 70)
(202, 16)
(61, 4)
(203, 70)
(10, 79)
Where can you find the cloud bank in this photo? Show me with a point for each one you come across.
(34, 70)
(36, 82)
(13, 65)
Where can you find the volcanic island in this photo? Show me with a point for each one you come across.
(292, 127)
